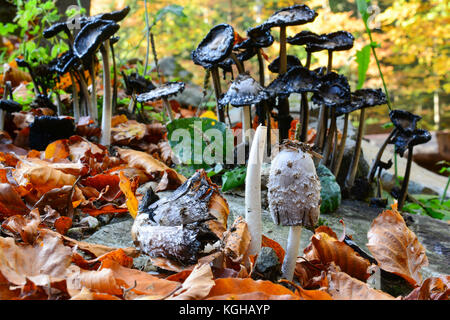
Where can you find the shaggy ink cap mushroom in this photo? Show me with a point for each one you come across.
(92, 35)
(46, 129)
(292, 61)
(290, 16)
(137, 84)
(296, 80)
(260, 38)
(406, 140)
(244, 91)
(55, 29)
(215, 47)
(362, 98)
(162, 92)
(116, 16)
(334, 91)
(10, 106)
(304, 37)
(404, 121)
(335, 41)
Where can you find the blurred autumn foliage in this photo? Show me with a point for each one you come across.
(413, 39)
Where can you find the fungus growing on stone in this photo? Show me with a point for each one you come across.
(294, 196)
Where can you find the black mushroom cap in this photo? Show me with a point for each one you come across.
(164, 91)
(292, 61)
(92, 35)
(334, 91)
(65, 62)
(403, 120)
(244, 91)
(362, 98)
(46, 129)
(215, 47)
(55, 29)
(260, 38)
(137, 84)
(295, 80)
(290, 16)
(320, 71)
(116, 16)
(304, 37)
(43, 101)
(10, 106)
(405, 140)
(22, 63)
(335, 41)
(114, 40)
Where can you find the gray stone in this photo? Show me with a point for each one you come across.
(192, 95)
(267, 265)
(89, 223)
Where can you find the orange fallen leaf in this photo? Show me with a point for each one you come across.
(57, 150)
(10, 202)
(395, 247)
(127, 188)
(434, 288)
(196, 286)
(267, 242)
(62, 224)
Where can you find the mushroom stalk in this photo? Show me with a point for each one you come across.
(217, 92)
(90, 108)
(329, 142)
(340, 155)
(168, 108)
(283, 107)
(75, 101)
(246, 125)
(106, 111)
(253, 189)
(114, 94)
(377, 159)
(238, 63)
(261, 68)
(304, 117)
(94, 84)
(404, 190)
(355, 160)
(290, 258)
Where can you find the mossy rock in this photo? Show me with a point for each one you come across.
(330, 192)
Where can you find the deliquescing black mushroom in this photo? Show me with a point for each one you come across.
(213, 49)
(163, 93)
(367, 98)
(7, 105)
(179, 226)
(290, 16)
(244, 92)
(46, 129)
(294, 196)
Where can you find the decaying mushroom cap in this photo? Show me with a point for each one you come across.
(137, 84)
(164, 91)
(116, 16)
(405, 140)
(46, 129)
(43, 101)
(92, 35)
(295, 80)
(65, 62)
(260, 38)
(335, 41)
(179, 226)
(55, 29)
(215, 47)
(304, 37)
(10, 106)
(244, 91)
(290, 16)
(403, 120)
(292, 61)
(334, 91)
(320, 71)
(294, 187)
(362, 98)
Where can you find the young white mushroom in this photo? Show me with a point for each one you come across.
(294, 196)
(253, 189)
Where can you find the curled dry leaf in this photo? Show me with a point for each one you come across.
(86, 294)
(57, 150)
(24, 227)
(249, 289)
(326, 248)
(10, 202)
(196, 286)
(129, 189)
(154, 168)
(434, 288)
(43, 262)
(123, 133)
(343, 287)
(236, 241)
(396, 247)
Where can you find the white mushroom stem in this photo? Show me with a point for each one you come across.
(253, 189)
(246, 125)
(168, 108)
(75, 101)
(107, 107)
(290, 258)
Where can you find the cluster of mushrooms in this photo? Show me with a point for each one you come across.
(180, 227)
